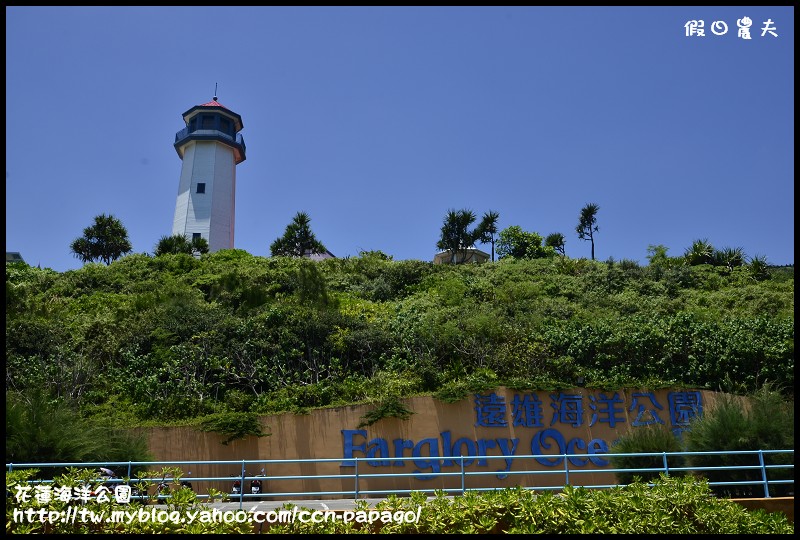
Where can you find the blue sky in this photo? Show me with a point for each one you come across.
(378, 120)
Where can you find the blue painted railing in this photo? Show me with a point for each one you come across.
(571, 476)
(185, 132)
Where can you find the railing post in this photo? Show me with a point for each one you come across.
(462, 475)
(763, 473)
(666, 467)
(356, 486)
(566, 470)
(241, 488)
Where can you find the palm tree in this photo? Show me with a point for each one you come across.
(488, 228)
(199, 245)
(297, 240)
(729, 257)
(701, 252)
(456, 237)
(759, 268)
(587, 224)
(106, 240)
(556, 241)
(178, 243)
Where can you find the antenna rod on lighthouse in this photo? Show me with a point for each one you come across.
(215, 91)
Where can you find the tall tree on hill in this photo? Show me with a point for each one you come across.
(297, 240)
(556, 241)
(587, 225)
(456, 237)
(106, 240)
(488, 228)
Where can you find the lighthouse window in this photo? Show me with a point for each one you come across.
(225, 125)
(195, 235)
(201, 187)
(208, 122)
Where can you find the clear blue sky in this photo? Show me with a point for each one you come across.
(377, 120)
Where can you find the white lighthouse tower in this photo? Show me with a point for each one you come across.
(210, 146)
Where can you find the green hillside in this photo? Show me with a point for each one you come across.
(173, 338)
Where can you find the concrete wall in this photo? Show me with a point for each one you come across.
(773, 504)
(577, 421)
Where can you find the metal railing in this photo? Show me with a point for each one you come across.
(182, 134)
(528, 473)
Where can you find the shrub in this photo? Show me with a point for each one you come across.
(765, 422)
(647, 439)
(391, 407)
(40, 429)
(671, 505)
(233, 425)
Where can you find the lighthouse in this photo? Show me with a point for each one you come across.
(210, 147)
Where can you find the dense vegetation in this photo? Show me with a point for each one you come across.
(672, 505)
(177, 338)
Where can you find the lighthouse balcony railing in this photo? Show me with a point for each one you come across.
(185, 132)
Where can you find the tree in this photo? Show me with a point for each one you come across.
(199, 245)
(178, 243)
(488, 228)
(701, 252)
(519, 244)
(106, 240)
(374, 254)
(729, 257)
(659, 261)
(759, 268)
(556, 241)
(298, 240)
(587, 225)
(456, 236)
